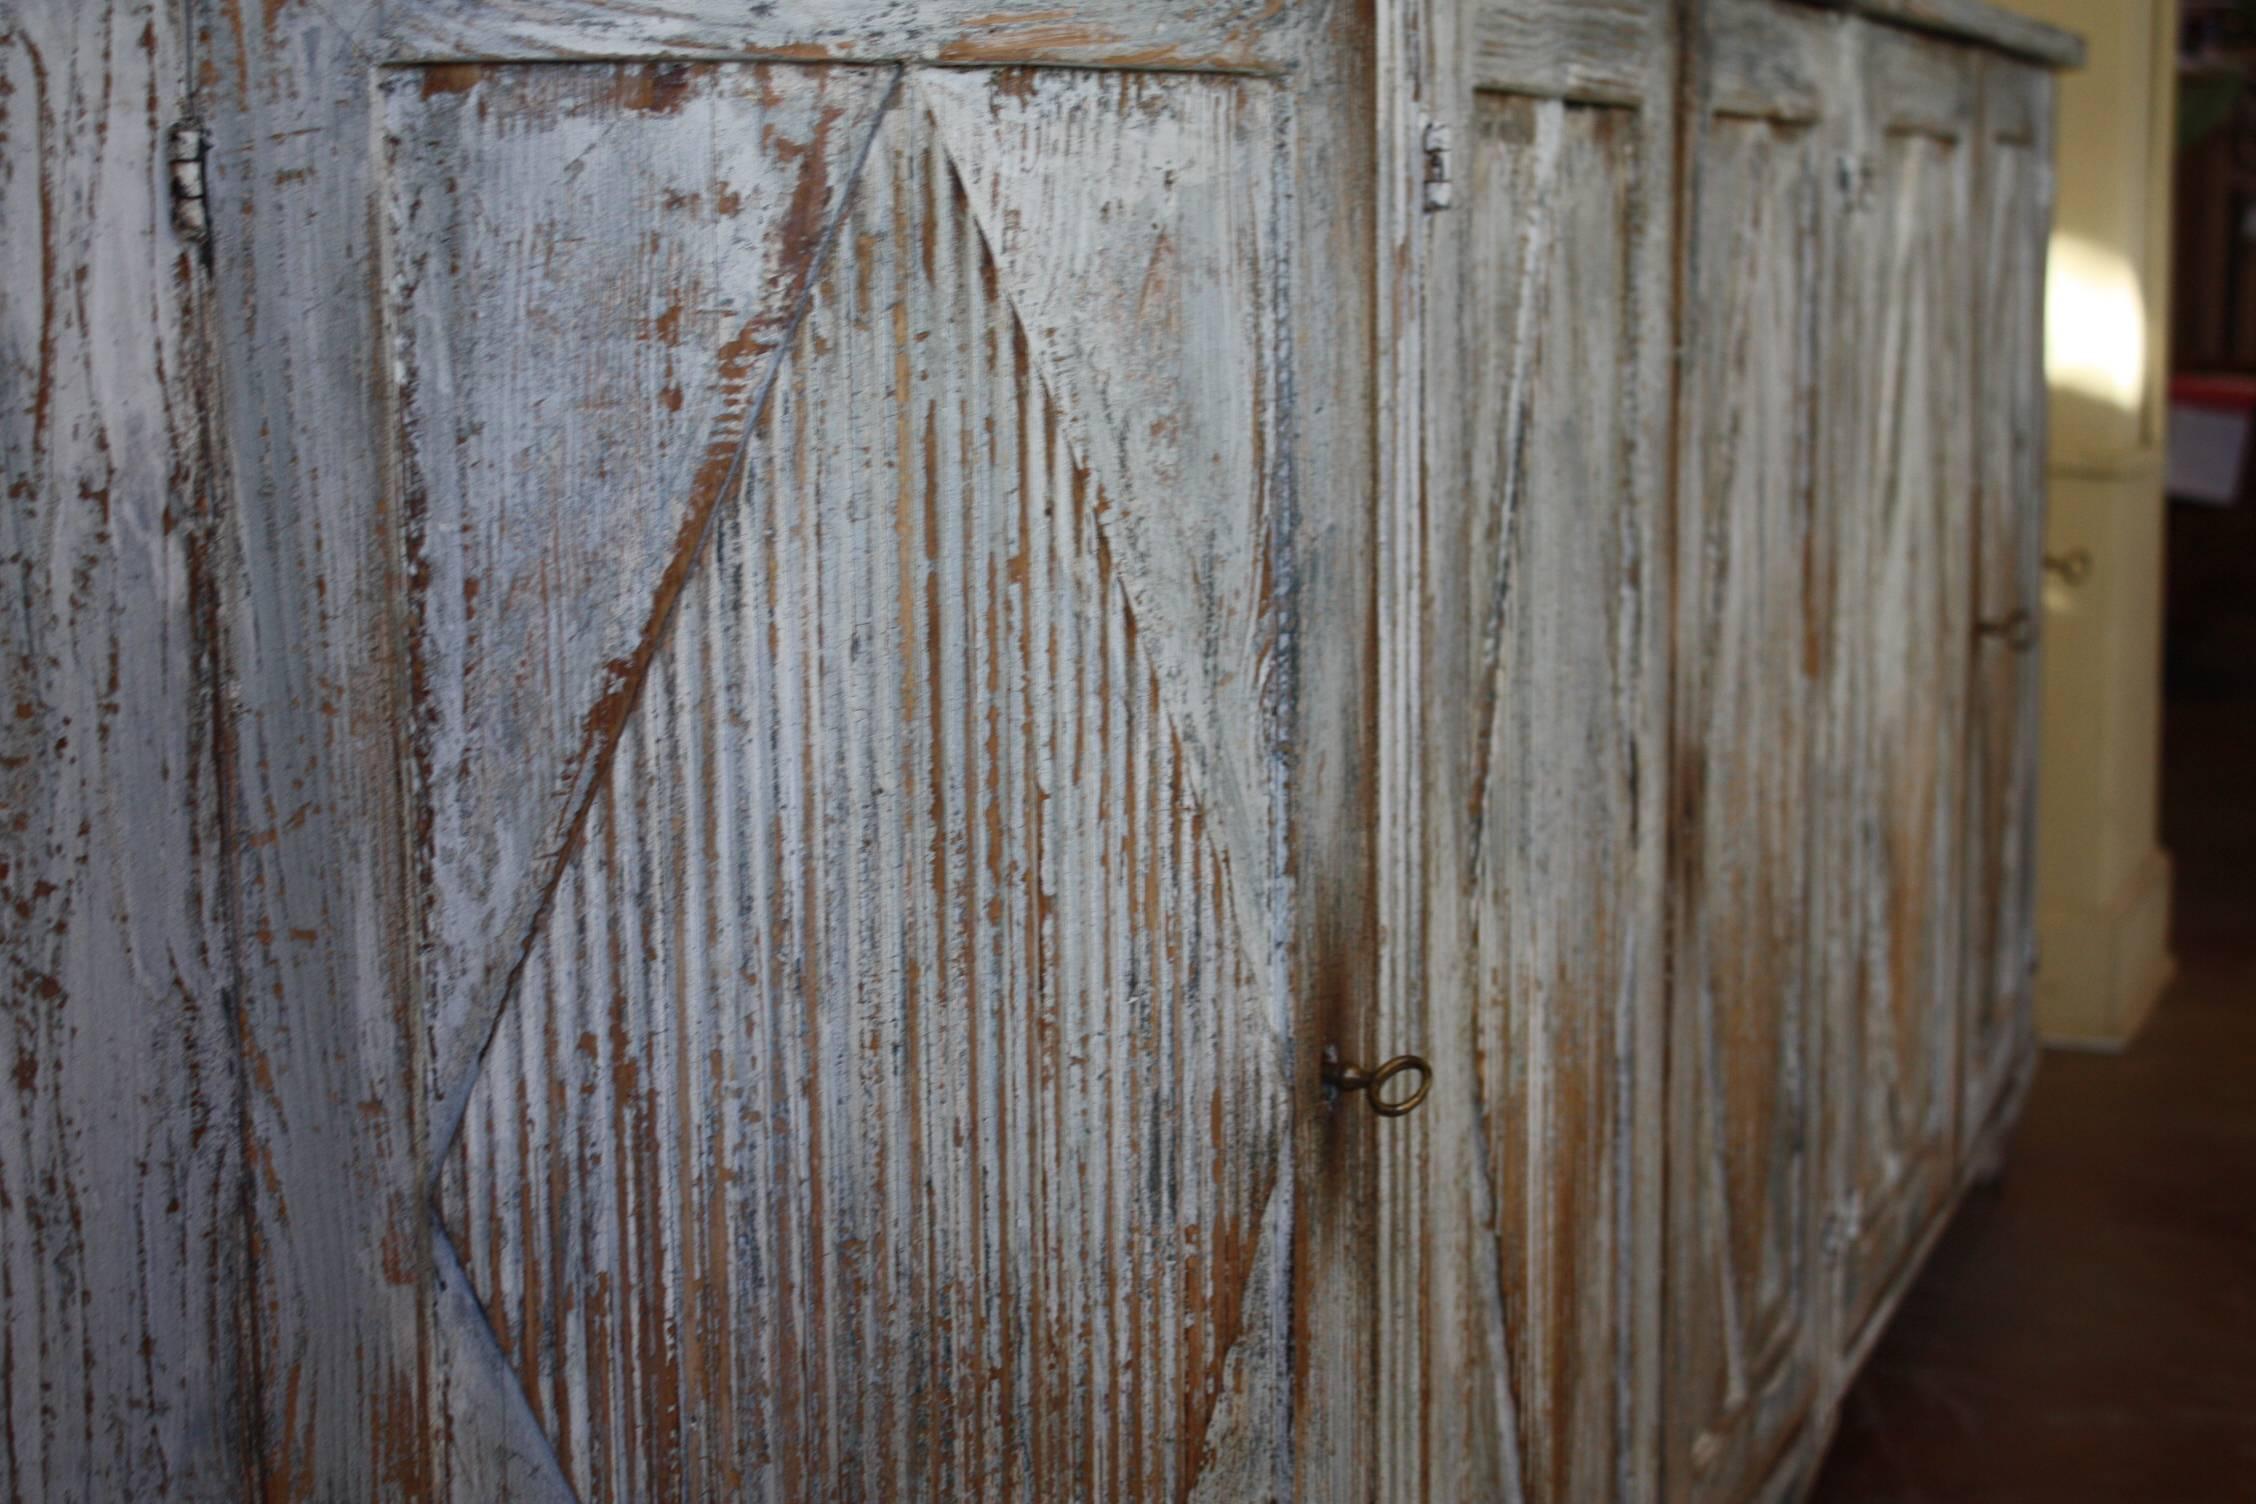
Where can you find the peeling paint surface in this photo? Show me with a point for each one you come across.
(1542, 729)
(120, 1251)
(897, 1010)
(705, 724)
(768, 742)
(1746, 1088)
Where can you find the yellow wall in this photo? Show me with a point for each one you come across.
(2103, 878)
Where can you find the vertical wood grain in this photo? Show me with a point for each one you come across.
(364, 1382)
(1745, 1091)
(488, 334)
(1903, 619)
(894, 1102)
(803, 652)
(1542, 700)
(571, 402)
(1415, 84)
(2013, 217)
(120, 1254)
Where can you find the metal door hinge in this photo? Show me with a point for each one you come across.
(184, 156)
(1439, 147)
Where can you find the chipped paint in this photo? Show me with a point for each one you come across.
(121, 1260)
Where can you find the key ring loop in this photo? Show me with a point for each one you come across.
(1346, 1078)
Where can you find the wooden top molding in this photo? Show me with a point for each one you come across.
(1979, 21)
(1247, 36)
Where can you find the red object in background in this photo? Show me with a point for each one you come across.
(2218, 390)
(2210, 416)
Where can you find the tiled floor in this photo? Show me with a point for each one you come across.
(2087, 1330)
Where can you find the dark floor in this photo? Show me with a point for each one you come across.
(2087, 1330)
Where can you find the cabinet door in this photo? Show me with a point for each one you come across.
(1525, 1204)
(1753, 622)
(798, 662)
(2013, 213)
(1893, 783)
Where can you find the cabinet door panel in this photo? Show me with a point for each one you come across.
(2013, 216)
(1540, 707)
(1903, 561)
(1750, 650)
(902, 1026)
(787, 761)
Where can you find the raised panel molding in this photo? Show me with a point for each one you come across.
(991, 1084)
(1558, 720)
(612, 403)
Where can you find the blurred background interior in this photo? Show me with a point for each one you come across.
(2087, 1330)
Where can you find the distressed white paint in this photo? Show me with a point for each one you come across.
(712, 395)
(571, 404)
(2014, 212)
(1821, 558)
(819, 725)
(120, 1257)
(1752, 614)
(1541, 690)
(1195, 35)
(1904, 556)
(897, 1015)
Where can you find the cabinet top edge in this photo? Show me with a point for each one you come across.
(1978, 21)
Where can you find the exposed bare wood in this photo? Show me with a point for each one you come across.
(1318, 699)
(546, 368)
(119, 1255)
(353, 1392)
(1416, 46)
(1598, 51)
(898, 1015)
(1008, 381)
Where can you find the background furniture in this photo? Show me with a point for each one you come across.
(2105, 881)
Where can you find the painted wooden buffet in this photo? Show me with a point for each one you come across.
(734, 729)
